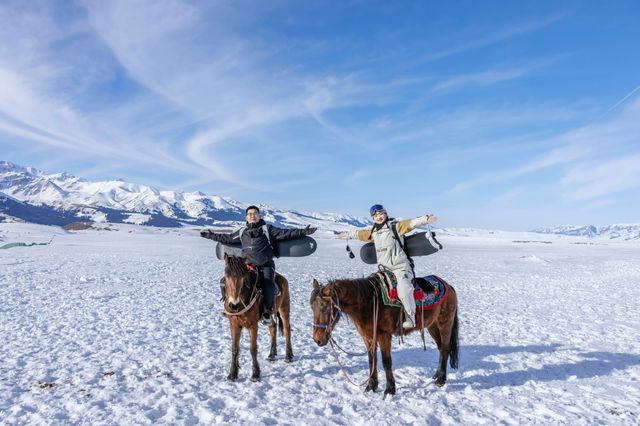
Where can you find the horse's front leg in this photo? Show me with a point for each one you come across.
(274, 346)
(253, 348)
(236, 331)
(384, 340)
(372, 347)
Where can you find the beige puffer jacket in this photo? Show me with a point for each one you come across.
(388, 250)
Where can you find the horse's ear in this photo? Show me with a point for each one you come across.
(315, 283)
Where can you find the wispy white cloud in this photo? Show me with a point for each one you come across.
(507, 199)
(229, 88)
(31, 115)
(592, 180)
(579, 146)
(484, 78)
(624, 98)
(497, 37)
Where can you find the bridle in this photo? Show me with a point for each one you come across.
(334, 309)
(255, 294)
(334, 316)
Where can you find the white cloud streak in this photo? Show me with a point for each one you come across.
(485, 78)
(505, 34)
(592, 180)
(577, 149)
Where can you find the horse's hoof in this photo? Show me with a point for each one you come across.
(255, 378)
(232, 377)
(271, 358)
(371, 387)
(288, 359)
(440, 383)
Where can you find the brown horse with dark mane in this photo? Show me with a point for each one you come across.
(242, 306)
(360, 300)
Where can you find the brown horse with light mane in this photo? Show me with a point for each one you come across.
(242, 306)
(360, 300)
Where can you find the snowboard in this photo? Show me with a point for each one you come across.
(416, 244)
(298, 247)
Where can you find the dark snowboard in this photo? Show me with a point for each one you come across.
(299, 247)
(416, 244)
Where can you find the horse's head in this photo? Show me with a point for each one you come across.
(236, 278)
(326, 312)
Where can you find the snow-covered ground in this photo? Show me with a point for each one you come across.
(123, 327)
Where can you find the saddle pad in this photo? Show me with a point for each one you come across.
(430, 300)
(435, 297)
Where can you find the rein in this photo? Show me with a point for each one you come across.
(329, 328)
(255, 294)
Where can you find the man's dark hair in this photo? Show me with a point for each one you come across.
(252, 208)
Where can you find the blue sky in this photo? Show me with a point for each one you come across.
(509, 115)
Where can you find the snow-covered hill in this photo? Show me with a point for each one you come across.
(619, 231)
(32, 195)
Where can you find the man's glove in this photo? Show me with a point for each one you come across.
(205, 233)
(309, 230)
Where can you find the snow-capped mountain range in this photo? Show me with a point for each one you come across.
(32, 195)
(617, 232)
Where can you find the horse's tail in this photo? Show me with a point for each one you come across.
(453, 344)
(279, 322)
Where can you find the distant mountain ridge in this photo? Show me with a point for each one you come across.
(620, 231)
(32, 195)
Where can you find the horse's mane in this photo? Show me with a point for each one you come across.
(235, 266)
(361, 289)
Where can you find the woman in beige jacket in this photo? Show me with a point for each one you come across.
(390, 254)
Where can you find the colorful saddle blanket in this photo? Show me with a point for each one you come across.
(429, 291)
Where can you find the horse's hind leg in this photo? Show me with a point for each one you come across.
(384, 340)
(435, 334)
(284, 311)
(253, 347)
(236, 331)
(441, 373)
(446, 323)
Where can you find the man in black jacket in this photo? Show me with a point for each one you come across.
(258, 251)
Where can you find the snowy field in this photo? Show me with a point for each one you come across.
(123, 327)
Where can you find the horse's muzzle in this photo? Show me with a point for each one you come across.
(321, 340)
(233, 303)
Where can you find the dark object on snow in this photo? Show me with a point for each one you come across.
(417, 245)
(17, 244)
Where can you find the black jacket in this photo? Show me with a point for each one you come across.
(255, 245)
